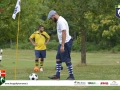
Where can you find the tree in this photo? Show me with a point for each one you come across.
(76, 11)
(91, 21)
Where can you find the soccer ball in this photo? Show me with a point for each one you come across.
(36, 69)
(33, 76)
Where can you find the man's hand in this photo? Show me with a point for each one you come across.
(46, 43)
(31, 40)
(62, 49)
(34, 44)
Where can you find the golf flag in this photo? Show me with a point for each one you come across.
(2, 73)
(117, 10)
(17, 9)
(117, 6)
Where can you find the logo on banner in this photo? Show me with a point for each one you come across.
(92, 83)
(114, 83)
(117, 10)
(104, 83)
(2, 76)
(79, 83)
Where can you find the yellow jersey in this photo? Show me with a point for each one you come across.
(40, 39)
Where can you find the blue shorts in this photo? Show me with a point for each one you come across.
(40, 53)
(65, 56)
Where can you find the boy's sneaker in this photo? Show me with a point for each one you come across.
(41, 69)
(70, 78)
(54, 77)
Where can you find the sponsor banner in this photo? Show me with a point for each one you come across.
(61, 83)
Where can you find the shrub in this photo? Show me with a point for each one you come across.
(116, 48)
(76, 46)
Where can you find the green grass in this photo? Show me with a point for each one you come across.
(100, 66)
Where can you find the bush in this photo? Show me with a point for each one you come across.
(76, 46)
(92, 47)
(52, 45)
(26, 45)
(116, 48)
(4, 46)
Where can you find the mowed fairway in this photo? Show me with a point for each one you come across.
(100, 66)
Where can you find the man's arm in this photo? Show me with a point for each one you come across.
(63, 37)
(63, 40)
(47, 40)
(32, 41)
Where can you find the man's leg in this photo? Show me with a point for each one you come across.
(68, 61)
(41, 64)
(58, 69)
(58, 65)
(37, 57)
(42, 56)
(36, 61)
(70, 70)
(61, 67)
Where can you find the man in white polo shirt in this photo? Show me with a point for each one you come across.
(64, 47)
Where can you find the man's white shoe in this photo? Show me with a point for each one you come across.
(41, 69)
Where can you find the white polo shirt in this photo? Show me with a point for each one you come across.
(62, 25)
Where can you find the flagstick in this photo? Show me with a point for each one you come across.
(16, 63)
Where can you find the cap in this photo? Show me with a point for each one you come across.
(52, 12)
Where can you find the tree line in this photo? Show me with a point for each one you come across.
(90, 21)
